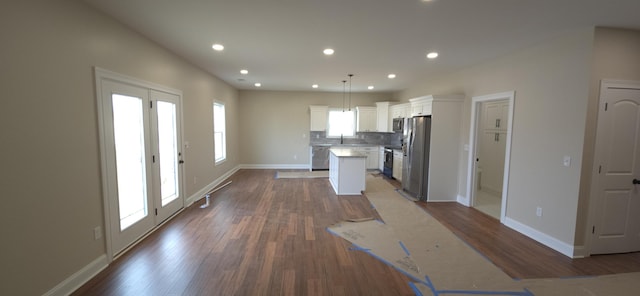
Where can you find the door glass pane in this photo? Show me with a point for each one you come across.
(168, 147)
(128, 130)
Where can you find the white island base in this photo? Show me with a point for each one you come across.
(347, 170)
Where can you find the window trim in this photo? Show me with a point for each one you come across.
(329, 123)
(224, 133)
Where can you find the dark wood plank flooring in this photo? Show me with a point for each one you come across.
(260, 236)
(263, 236)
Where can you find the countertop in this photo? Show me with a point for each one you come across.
(346, 152)
(344, 145)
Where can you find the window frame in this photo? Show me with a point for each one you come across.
(223, 137)
(329, 135)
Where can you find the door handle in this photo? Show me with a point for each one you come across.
(636, 181)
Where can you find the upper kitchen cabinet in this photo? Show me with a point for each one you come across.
(384, 124)
(318, 116)
(400, 111)
(367, 119)
(421, 106)
(424, 106)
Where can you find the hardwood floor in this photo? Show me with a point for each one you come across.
(260, 236)
(266, 236)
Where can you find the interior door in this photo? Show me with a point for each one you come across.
(617, 208)
(129, 171)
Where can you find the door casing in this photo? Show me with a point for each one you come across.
(106, 75)
(594, 211)
(473, 139)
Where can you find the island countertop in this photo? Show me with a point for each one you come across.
(346, 152)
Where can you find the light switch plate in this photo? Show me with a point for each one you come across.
(566, 161)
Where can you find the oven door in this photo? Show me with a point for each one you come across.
(388, 162)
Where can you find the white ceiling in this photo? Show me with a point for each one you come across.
(280, 42)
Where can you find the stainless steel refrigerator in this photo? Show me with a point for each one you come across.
(415, 162)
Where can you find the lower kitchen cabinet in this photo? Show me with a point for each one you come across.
(372, 162)
(397, 165)
(347, 171)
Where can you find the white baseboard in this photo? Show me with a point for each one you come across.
(543, 238)
(275, 166)
(463, 200)
(200, 193)
(79, 278)
(580, 252)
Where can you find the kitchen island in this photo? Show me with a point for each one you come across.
(347, 170)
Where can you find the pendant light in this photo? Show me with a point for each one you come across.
(350, 75)
(343, 91)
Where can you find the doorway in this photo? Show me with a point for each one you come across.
(140, 136)
(489, 153)
(615, 183)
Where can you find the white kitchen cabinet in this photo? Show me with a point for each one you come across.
(383, 122)
(366, 119)
(372, 156)
(347, 171)
(400, 111)
(381, 158)
(396, 172)
(318, 117)
(421, 107)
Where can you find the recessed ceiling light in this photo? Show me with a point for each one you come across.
(315, 86)
(217, 47)
(258, 84)
(370, 87)
(244, 72)
(328, 51)
(432, 55)
(391, 76)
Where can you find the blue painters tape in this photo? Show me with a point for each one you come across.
(357, 248)
(380, 221)
(427, 281)
(413, 277)
(415, 289)
(404, 248)
(466, 292)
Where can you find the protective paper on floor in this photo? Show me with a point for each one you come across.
(444, 264)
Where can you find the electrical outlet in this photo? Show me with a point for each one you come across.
(97, 233)
(539, 211)
(195, 179)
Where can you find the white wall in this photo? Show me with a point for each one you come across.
(275, 124)
(551, 82)
(50, 180)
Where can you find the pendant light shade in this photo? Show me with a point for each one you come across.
(343, 93)
(350, 75)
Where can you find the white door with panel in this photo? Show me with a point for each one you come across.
(141, 142)
(617, 171)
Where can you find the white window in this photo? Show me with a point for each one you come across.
(219, 133)
(341, 123)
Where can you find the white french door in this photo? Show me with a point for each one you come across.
(141, 137)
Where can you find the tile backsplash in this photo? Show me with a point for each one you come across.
(364, 138)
